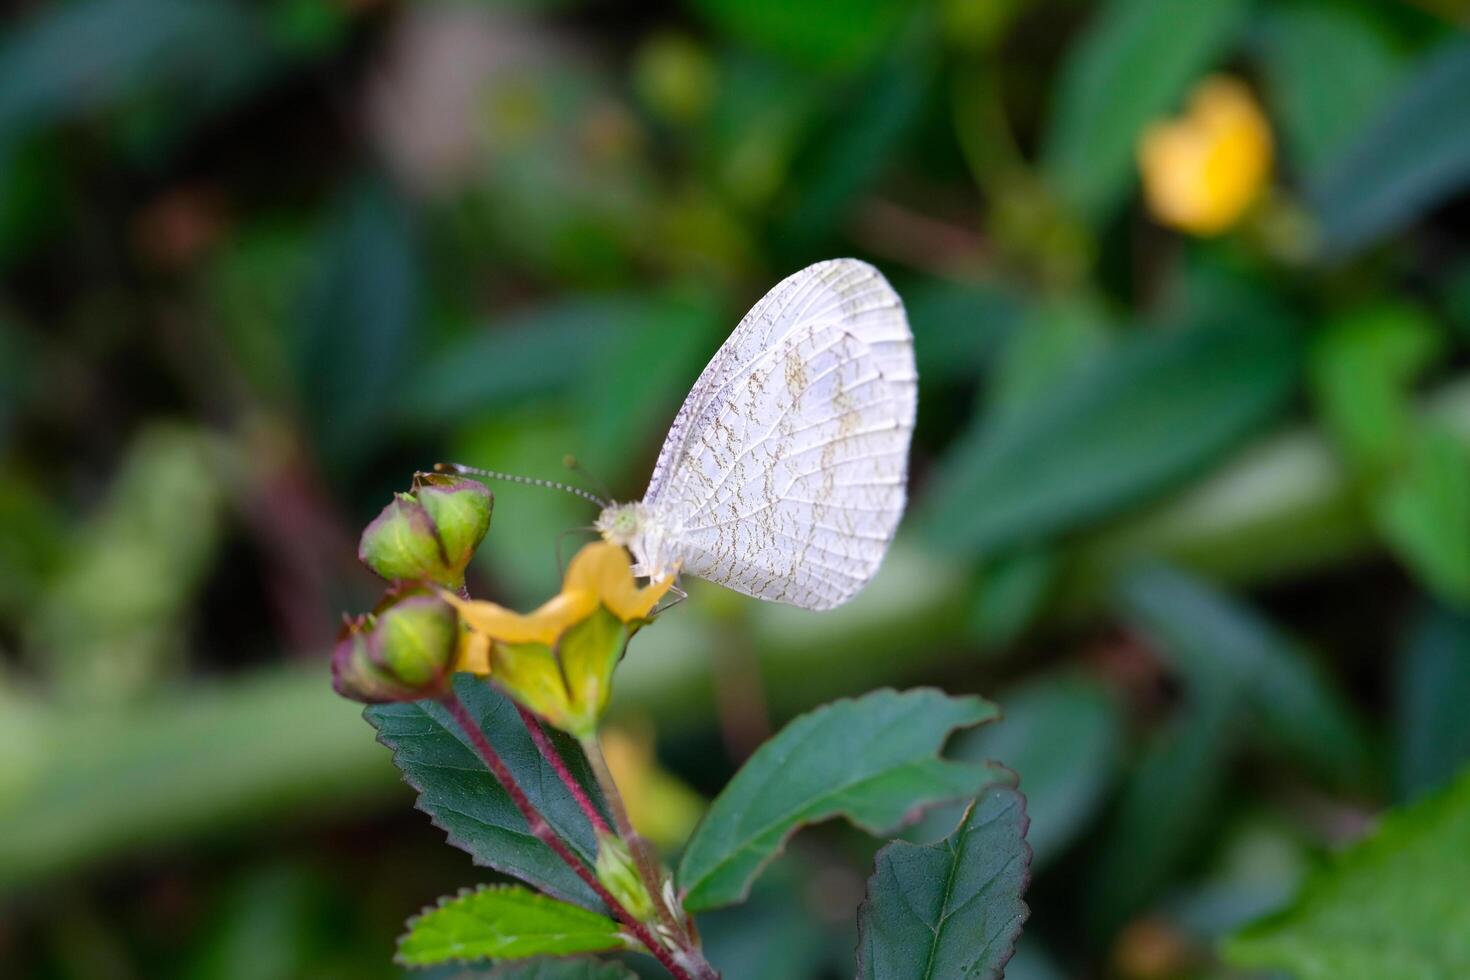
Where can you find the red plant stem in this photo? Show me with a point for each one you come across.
(543, 832)
(553, 758)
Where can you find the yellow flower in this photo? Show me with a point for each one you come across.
(558, 660)
(1202, 170)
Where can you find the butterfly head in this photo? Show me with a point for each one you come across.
(640, 528)
(619, 523)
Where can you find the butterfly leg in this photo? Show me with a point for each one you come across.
(679, 596)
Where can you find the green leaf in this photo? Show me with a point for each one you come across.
(1152, 411)
(465, 800)
(1131, 66)
(952, 908)
(1431, 691)
(873, 760)
(1415, 153)
(1424, 513)
(1328, 67)
(1393, 905)
(503, 922)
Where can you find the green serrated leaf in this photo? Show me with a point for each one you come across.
(1394, 905)
(1131, 66)
(1414, 153)
(504, 922)
(952, 908)
(1151, 411)
(873, 760)
(467, 802)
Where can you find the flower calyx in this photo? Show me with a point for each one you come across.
(558, 660)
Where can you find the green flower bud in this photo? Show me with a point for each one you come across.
(619, 875)
(402, 651)
(430, 533)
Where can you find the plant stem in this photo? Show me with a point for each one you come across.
(555, 761)
(643, 857)
(543, 832)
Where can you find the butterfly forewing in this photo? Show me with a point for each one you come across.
(784, 474)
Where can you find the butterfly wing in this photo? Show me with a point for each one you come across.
(785, 472)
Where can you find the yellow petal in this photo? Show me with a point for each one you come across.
(606, 572)
(544, 625)
(474, 653)
(1202, 170)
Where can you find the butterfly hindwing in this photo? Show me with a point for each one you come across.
(784, 475)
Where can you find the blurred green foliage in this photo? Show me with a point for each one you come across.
(1194, 512)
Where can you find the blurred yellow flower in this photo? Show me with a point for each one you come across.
(558, 660)
(662, 808)
(1202, 170)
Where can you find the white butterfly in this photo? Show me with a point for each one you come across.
(785, 472)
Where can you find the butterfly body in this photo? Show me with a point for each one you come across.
(785, 472)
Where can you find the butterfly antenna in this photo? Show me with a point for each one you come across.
(575, 465)
(530, 481)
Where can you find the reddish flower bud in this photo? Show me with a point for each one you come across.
(402, 651)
